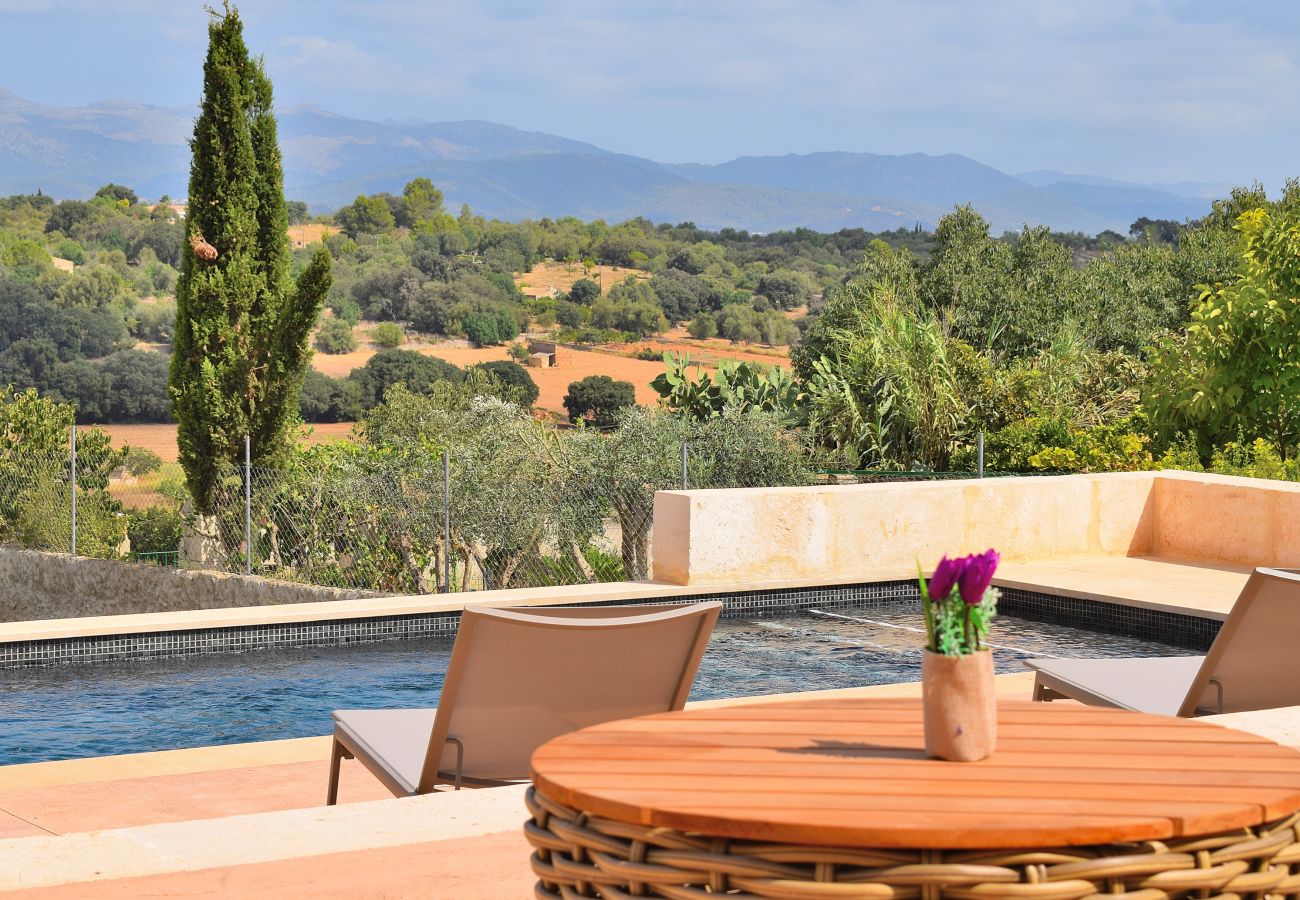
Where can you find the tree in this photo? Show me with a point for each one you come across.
(388, 335)
(67, 215)
(786, 290)
(326, 399)
(597, 400)
(1236, 373)
(297, 211)
(1155, 231)
(513, 375)
(703, 326)
(481, 329)
(242, 330)
(421, 202)
(118, 193)
(335, 336)
(389, 367)
(137, 387)
(366, 215)
(584, 292)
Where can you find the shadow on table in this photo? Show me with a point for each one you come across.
(856, 750)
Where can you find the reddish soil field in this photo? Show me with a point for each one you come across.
(554, 383)
(548, 278)
(708, 353)
(161, 439)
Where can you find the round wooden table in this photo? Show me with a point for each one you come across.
(835, 798)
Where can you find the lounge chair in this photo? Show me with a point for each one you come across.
(1253, 663)
(519, 677)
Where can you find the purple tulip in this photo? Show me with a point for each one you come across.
(946, 574)
(976, 575)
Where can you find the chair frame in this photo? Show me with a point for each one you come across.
(595, 617)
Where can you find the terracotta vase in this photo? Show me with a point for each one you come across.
(961, 713)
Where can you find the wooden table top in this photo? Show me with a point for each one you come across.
(851, 772)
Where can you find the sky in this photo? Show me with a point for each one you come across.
(1148, 90)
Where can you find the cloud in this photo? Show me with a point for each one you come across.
(1133, 88)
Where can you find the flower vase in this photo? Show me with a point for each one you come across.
(960, 706)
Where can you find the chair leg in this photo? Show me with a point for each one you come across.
(337, 755)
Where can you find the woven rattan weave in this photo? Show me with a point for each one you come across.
(577, 855)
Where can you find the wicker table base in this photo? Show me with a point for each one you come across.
(577, 855)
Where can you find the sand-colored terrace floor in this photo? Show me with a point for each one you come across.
(1190, 587)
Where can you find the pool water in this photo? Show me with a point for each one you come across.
(131, 707)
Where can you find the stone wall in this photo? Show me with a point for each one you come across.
(837, 533)
(35, 585)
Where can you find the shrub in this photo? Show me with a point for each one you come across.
(703, 326)
(141, 461)
(512, 375)
(388, 335)
(481, 329)
(154, 529)
(568, 314)
(326, 399)
(335, 336)
(597, 400)
(388, 367)
(584, 292)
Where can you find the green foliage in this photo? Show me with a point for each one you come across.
(703, 327)
(241, 343)
(366, 215)
(326, 399)
(417, 372)
(388, 335)
(584, 292)
(421, 203)
(512, 375)
(884, 393)
(481, 329)
(597, 400)
(335, 336)
(1236, 372)
(786, 290)
(155, 529)
(742, 386)
(118, 193)
(35, 471)
(141, 461)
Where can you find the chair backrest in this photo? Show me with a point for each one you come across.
(519, 677)
(1254, 659)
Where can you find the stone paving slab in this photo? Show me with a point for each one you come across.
(491, 867)
(1170, 585)
(262, 837)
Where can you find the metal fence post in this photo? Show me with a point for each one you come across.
(981, 454)
(685, 450)
(248, 505)
(446, 520)
(73, 485)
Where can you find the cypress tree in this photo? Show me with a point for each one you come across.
(242, 326)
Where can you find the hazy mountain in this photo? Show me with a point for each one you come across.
(508, 173)
(1196, 190)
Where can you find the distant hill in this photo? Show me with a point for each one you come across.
(512, 174)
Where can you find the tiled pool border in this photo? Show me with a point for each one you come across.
(1192, 632)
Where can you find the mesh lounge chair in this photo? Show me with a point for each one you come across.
(1253, 663)
(519, 677)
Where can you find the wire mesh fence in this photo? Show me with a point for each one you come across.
(427, 522)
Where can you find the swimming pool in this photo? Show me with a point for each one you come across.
(131, 707)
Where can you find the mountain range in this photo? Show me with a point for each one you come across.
(507, 173)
